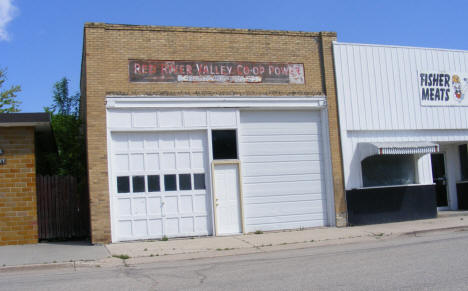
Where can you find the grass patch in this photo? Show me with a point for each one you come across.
(164, 238)
(123, 256)
(258, 232)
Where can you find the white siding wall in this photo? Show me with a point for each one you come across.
(378, 101)
(378, 87)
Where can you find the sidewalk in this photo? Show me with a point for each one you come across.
(174, 249)
(47, 253)
(130, 253)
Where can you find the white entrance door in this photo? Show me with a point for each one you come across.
(282, 170)
(158, 185)
(227, 202)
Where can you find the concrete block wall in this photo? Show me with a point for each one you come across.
(18, 206)
(107, 49)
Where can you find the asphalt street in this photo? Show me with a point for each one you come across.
(430, 261)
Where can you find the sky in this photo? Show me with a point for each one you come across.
(41, 41)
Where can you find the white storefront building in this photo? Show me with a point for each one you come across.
(403, 115)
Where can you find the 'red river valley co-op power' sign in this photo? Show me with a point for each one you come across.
(216, 72)
(443, 89)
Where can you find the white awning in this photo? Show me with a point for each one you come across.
(397, 148)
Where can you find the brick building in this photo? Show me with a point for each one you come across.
(204, 131)
(18, 210)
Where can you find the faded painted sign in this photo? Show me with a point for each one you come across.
(215, 72)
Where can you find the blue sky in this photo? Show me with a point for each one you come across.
(41, 41)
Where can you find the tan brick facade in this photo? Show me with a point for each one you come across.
(107, 49)
(18, 208)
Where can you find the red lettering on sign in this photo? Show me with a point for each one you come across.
(239, 70)
(167, 71)
(270, 70)
(255, 70)
(172, 69)
(199, 69)
(262, 70)
(163, 69)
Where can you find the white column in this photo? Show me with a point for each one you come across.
(452, 168)
(424, 167)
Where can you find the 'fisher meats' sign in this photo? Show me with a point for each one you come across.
(443, 89)
(216, 72)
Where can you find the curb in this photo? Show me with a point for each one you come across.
(461, 227)
(8, 269)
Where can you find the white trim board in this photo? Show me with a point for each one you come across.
(216, 102)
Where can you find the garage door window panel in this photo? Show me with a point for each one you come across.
(199, 181)
(123, 184)
(138, 184)
(153, 183)
(185, 182)
(170, 182)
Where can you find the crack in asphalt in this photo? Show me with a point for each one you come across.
(137, 275)
(202, 277)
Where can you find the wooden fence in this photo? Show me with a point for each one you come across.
(62, 210)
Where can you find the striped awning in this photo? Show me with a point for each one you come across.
(400, 148)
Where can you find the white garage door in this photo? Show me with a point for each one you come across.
(158, 185)
(282, 170)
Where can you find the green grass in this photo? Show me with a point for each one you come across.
(123, 256)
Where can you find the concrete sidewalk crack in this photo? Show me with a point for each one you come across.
(246, 242)
(258, 247)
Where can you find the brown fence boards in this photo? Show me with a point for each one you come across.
(62, 210)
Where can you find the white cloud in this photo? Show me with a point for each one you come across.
(7, 12)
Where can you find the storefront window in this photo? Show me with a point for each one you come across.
(463, 161)
(387, 170)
